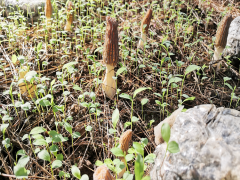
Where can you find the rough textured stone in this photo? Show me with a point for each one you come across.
(233, 41)
(209, 142)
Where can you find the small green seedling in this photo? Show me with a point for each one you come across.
(172, 146)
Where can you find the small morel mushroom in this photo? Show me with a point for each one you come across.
(102, 173)
(124, 145)
(26, 89)
(48, 12)
(221, 38)
(70, 16)
(144, 28)
(110, 56)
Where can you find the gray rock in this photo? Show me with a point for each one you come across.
(233, 41)
(209, 142)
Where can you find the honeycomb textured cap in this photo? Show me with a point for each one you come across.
(110, 49)
(70, 13)
(48, 9)
(146, 20)
(125, 140)
(222, 31)
(102, 173)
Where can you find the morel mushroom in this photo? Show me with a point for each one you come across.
(48, 12)
(144, 28)
(70, 16)
(102, 173)
(26, 89)
(221, 38)
(124, 145)
(110, 56)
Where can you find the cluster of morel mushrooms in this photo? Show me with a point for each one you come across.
(110, 58)
(110, 50)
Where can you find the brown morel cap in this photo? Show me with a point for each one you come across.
(125, 140)
(222, 31)
(102, 173)
(70, 15)
(110, 49)
(48, 9)
(146, 20)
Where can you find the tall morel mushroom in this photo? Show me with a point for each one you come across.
(48, 12)
(124, 145)
(221, 38)
(70, 16)
(144, 28)
(102, 173)
(110, 56)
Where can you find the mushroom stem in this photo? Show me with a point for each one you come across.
(109, 84)
(68, 26)
(143, 40)
(217, 53)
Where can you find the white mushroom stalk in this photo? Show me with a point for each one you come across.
(221, 38)
(110, 57)
(144, 28)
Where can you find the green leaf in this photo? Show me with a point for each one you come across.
(88, 128)
(126, 124)
(23, 160)
(84, 177)
(122, 69)
(144, 141)
(59, 157)
(56, 164)
(40, 142)
(44, 155)
(21, 152)
(53, 148)
(14, 59)
(115, 117)
(25, 137)
(76, 135)
(125, 96)
(144, 101)
(39, 47)
(189, 99)
(76, 87)
(174, 79)
(4, 127)
(20, 172)
(138, 147)
(165, 131)
(173, 147)
(150, 158)
(68, 127)
(69, 64)
(134, 119)
(117, 152)
(112, 131)
(139, 167)
(98, 163)
(76, 172)
(191, 68)
(44, 102)
(127, 176)
(129, 157)
(139, 90)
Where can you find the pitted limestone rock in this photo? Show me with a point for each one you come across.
(209, 142)
(233, 42)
